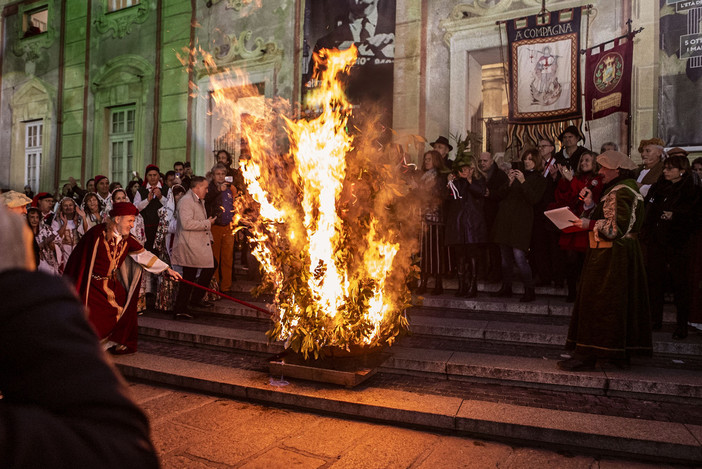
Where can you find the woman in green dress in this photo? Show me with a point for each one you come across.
(611, 318)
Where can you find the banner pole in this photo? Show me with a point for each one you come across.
(628, 114)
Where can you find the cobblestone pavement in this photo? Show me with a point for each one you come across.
(560, 400)
(197, 431)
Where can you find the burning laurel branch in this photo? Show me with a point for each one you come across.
(331, 224)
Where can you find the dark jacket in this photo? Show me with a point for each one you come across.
(573, 162)
(465, 221)
(497, 178)
(63, 405)
(681, 198)
(515, 217)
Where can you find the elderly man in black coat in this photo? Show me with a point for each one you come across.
(495, 178)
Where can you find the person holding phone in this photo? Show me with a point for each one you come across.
(515, 217)
(219, 203)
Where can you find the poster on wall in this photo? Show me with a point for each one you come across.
(680, 82)
(608, 78)
(370, 25)
(544, 64)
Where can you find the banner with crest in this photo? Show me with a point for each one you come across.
(544, 67)
(608, 79)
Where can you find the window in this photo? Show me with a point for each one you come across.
(32, 153)
(115, 5)
(122, 143)
(35, 22)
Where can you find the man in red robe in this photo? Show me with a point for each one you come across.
(108, 282)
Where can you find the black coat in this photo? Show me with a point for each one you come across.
(63, 405)
(514, 223)
(681, 198)
(465, 220)
(497, 179)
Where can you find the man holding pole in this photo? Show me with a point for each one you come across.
(109, 286)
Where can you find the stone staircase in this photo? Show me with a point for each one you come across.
(483, 366)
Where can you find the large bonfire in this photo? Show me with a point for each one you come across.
(329, 217)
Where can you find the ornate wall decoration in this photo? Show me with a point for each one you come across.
(120, 22)
(234, 49)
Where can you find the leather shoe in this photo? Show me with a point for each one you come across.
(202, 304)
(182, 316)
(119, 350)
(575, 364)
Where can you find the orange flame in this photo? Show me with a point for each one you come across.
(336, 280)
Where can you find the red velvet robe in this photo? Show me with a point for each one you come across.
(107, 284)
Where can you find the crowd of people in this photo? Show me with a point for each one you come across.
(485, 219)
(87, 234)
(636, 235)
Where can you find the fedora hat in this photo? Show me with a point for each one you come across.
(443, 140)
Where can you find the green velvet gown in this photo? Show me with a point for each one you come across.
(611, 317)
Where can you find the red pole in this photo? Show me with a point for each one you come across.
(226, 296)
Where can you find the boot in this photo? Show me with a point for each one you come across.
(529, 295)
(439, 288)
(471, 280)
(422, 286)
(462, 289)
(505, 291)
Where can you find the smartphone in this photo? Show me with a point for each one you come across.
(228, 179)
(518, 165)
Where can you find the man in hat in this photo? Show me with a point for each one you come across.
(651, 151)
(15, 201)
(148, 199)
(45, 203)
(109, 286)
(570, 152)
(611, 318)
(443, 146)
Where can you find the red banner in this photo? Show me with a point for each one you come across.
(608, 79)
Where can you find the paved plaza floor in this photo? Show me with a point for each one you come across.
(194, 431)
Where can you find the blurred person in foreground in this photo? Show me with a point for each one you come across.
(107, 283)
(63, 405)
(611, 318)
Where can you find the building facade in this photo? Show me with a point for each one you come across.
(108, 86)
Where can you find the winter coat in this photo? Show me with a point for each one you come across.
(515, 217)
(465, 220)
(193, 241)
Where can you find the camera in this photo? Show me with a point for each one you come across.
(518, 165)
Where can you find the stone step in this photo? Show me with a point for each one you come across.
(582, 432)
(510, 370)
(545, 305)
(501, 327)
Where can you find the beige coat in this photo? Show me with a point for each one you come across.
(192, 246)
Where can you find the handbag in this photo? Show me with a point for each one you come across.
(598, 244)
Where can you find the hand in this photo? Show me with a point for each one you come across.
(582, 223)
(667, 216)
(80, 211)
(223, 187)
(519, 176)
(586, 196)
(451, 177)
(487, 192)
(173, 274)
(510, 176)
(72, 181)
(212, 219)
(157, 193)
(565, 172)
